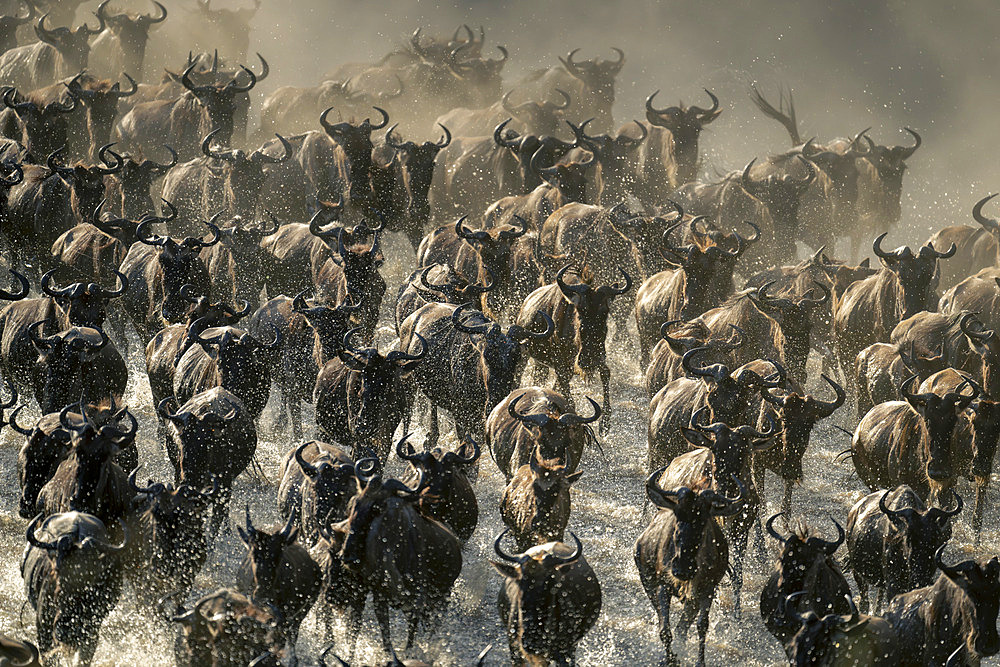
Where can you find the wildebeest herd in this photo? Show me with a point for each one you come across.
(145, 224)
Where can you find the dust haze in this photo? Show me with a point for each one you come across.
(851, 65)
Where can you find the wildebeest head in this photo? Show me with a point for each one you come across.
(731, 447)
(685, 124)
(210, 429)
(890, 164)
(570, 178)
(794, 314)
(493, 245)
(78, 546)
(93, 447)
(364, 508)
(940, 414)
(137, 177)
(986, 422)
(359, 261)
(481, 76)
(591, 305)
(65, 356)
(228, 626)
(981, 582)
(597, 76)
(85, 304)
(416, 166)
(334, 483)
(132, 30)
(917, 273)
(693, 511)
(456, 288)
(266, 551)
(540, 118)
(246, 175)
(708, 268)
(45, 128)
(555, 435)
(10, 24)
(222, 99)
(72, 45)
(356, 141)
(729, 392)
(823, 640)
(501, 349)
(381, 387)
(241, 357)
(176, 518)
(798, 414)
(100, 98)
(178, 260)
(806, 558)
(614, 154)
(840, 167)
(439, 466)
(86, 184)
(920, 533)
(781, 194)
(329, 324)
(544, 148)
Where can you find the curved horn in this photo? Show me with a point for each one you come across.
(48, 290)
(385, 118)
(771, 530)
(573, 557)
(120, 291)
(308, 469)
(260, 156)
(952, 571)
(445, 140)
(830, 547)
(977, 214)
(704, 114)
(12, 420)
(827, 408)
(399, 355)
(877, 248)
(33, 540)
(517, 560)
(572, 419)
(570, 290)
(402, 446)
(905, 153)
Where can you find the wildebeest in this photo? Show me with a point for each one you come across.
(59, 53)
(683, 554)
(891, 540)
(385, 531)
(871, 308)
(361, 395)
(797, 414)
(76, 363)
(10, 23)
(72, 574)
(536, 502)
(169, 545)
(88, 480)
(317, 482)
(909, 442)
(227, 629)
(39, 124)
(580, 313)
(806, 565)
(446, 493)
(278, 571)
(157, 267)
(123, 45)
(958, 610)
(534, 419)
(669, 157)
(549, 600)
(840, 639)
(472, 362)
(211, 439)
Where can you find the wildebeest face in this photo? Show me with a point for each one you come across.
(692, 516)
(981, 582)
(178, 262)
(918, 276)
(266, 551)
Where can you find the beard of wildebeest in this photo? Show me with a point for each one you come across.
(781, 194)
(136, 179)
(180, 265)
(86, 184)
(890, 164)
(544, 149)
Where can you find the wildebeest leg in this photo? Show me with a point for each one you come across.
(411, 629)
(688, 613)
(354, 623)
(706, 605)
(220, 512)
(434, 432)
(738, 554)
(295, 409)
(662, 604)
(977, 517)
(863, 600)
(539, 373)
(879, 599)
(786, 501)
(606, 387)
(415, 235)
(382, 615)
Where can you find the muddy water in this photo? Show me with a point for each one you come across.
(607, 516)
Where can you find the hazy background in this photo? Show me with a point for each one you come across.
(852, 64)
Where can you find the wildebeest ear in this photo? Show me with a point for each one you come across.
(243, 535)
(694, 437)
(867, 264)
(507, 570)
(571, 479)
